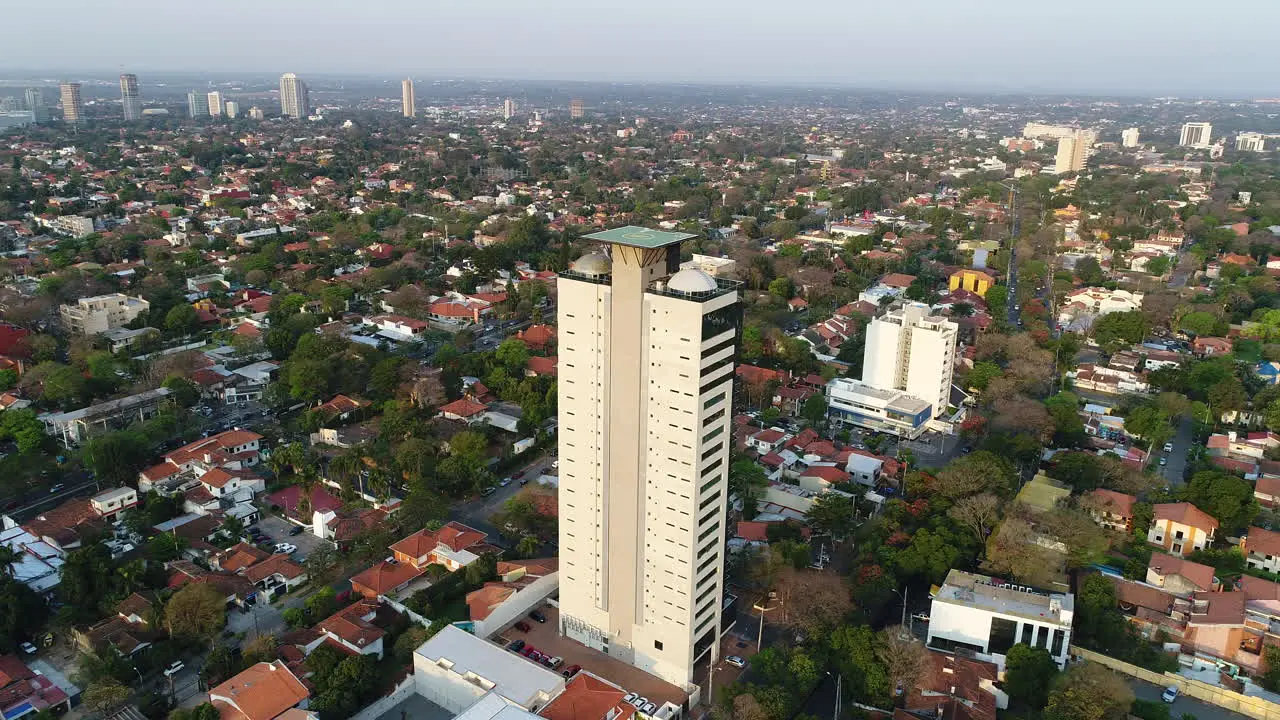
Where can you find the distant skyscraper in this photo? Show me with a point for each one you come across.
(508, 109)
(646, 371)
(1129, 138)
(294, 102)
(215, 103)
(1251, 142)
(1072, 152)
(255, 113)
(576, 108)
(72, 107)
(1196, 135)
(233, 108)
(408, 104)
(130, 102)
(197, 104)
(35, 103)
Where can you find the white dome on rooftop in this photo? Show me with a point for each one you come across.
(592, 264)
(691, 280)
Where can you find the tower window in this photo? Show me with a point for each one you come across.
(657, 644)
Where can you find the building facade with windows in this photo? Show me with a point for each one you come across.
(986, 616)
(646, 370)
(910, 350)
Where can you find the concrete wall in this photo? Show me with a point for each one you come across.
(406, 688)
(1253, 707)
(518, 605)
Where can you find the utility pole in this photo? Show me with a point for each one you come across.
(764, 608)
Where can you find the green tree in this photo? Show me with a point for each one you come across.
(513, 354)
(747, 481)
(1089, 692)
(1080, 470)
(1120, 327)
(23, 428)
(185, 392)
(196, 611)
(814, 410)
(832, 513)
(1228, 498)
(982, 374)
(182, 319)
(117, 457)
(782, 288)
(1198, 323)
(22, 612)
(1028, 675)
(105, 695)
(865, 675)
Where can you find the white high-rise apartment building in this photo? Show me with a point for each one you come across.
(646, 368)
(1129, 137)
(1196, 135)
(130, 101)
(233, 109)
(909, 349)
(508, 109)
(215, 103)
(72, 106)
(1072, 152)
(1251, 142)
(408, 103)
(294, 99)
(35, 103)
(1041, 131)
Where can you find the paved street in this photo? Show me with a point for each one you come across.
(1182, 440)
(1183, 705)
(477, 512)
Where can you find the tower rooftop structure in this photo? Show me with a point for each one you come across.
(639, 237)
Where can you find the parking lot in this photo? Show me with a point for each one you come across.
(278, 529)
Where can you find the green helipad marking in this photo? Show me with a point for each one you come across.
(640, 237)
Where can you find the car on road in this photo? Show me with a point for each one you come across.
(736, 661)
(56, 488)
(1170, 694)
(1168, 447)
(537, 616)
(287, 548)
(505, 482)
(174, 668)
(1164, 461)
(517, 474)
(488, 491)
(28, 648)
(296, 530)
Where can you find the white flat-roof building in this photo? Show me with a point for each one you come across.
(908, 349)
(988, 616)
(851, 402)
(72, 428)
(98, 314)
(714, 266)
(1196, 135)
(455, 669)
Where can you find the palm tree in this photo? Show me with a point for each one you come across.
(8, 558)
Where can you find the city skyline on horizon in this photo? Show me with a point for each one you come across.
(920, 45)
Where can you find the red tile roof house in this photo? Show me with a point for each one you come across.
(22, 690)
(464, 410)
(1209, 346)
(1179, 576)
(1181, 528)
(275, 575)
(766, 441)
(386, 578)
(321, 500)
(451, 546)
(1261, 549)
(183, 468)
(539, 338)
(1267, 491)
(352, 627)
(1112, 509)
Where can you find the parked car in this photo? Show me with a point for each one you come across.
(736, 661)
(522, 626)
(556, 662)
(174, 668)
(28, 648)
(56, 488)
(296, 530)
(505, 482)
(524, 481)
(516, 646)
(537, 616)
(1168, 447)
(1170, 694)
(1164, 461)
(488, 491)
(571, 671)
(288, 548)
(517, 474)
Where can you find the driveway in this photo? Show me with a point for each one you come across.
(1183, 705)
(278, 528)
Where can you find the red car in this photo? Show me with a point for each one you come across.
(517, 474)
(522, 626)
(571, 670)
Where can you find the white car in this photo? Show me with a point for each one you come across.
(1168, 447)
(28, 648)
(174, 668)
(286, 548)
(736, 661)
(1170, 694)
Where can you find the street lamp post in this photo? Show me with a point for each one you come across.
(903, 595)
(764, 608)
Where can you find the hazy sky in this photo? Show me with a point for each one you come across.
(1142, 46)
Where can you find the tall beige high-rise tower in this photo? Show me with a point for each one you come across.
(72, 106)
(1196, 135)
(1073, 150)
(1129, 137)
(508, 109)
(408, 104)
(130, 101)
(576, 108)
(646, 369)
(215, 103)
(294, 100)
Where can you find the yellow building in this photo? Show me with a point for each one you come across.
(975, 281)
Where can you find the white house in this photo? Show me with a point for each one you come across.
(987, 616)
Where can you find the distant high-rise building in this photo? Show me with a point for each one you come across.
(197, 104)
(215, 103)
(909, 349)
(232, 107)
(408, 103)
(1041, 131)
(35, 103)
(255, 113)
(294, 100)
(1196, 135)
(1072, 152)
(646, 371)
(1251, 142)
(508, 109)
(72, 106)
(1129, 138)
(576, 108)
(130, 101)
